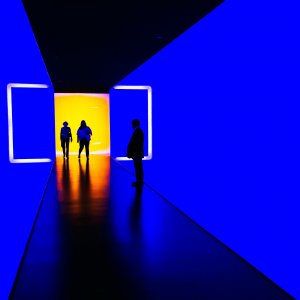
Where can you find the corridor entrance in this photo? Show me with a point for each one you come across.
(94, 109)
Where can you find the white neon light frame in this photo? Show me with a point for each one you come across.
(149, 89)
(12, 160)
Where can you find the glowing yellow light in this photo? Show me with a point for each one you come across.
(94, 109)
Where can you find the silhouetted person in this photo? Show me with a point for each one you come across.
(135, 150)
(83, 138)
(65, 137)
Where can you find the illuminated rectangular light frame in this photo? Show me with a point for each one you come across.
(149, 89)
(10, 124)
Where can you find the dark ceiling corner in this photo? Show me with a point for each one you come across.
(89, 46)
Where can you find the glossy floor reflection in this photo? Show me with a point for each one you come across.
(98, 238)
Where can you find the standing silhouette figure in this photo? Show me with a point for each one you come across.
(83, 138)
(135, 150)
(65, 137)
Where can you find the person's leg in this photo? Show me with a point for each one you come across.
(81, 145)
(138, 166)
(67, 148)
(140, 174)
(63, 147)
(87, 148)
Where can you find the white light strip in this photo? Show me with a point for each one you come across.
(149, 89)
(149, 122)
(10, 123)
(30, 160)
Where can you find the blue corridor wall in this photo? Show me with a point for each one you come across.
(226, 130)
(22, 181)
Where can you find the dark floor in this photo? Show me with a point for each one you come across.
(96, 237)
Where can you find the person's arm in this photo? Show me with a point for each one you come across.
(129, 151)
(71, 135)
(131, 146)
(60, 134)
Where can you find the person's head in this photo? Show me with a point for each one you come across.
(65, 124)
(135, 123)
(83, 124)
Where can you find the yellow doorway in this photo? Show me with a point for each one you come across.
(94, 109)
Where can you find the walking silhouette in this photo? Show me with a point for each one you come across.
(65, 137)
(83, 138)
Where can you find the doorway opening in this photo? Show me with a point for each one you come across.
(75, 107)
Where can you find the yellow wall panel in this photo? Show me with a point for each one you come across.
(94, 109)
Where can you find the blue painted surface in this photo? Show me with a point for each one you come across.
(21, 185)
(226, 143)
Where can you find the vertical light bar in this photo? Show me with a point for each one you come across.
(149, 95)
(149, 122)
(10, 123)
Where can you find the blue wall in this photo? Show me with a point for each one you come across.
(226, 130)
(22, 184)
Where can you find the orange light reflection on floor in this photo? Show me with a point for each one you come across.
(83, 186)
